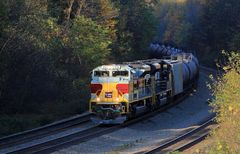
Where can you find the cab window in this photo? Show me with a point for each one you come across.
(101, 73)
(120, 73)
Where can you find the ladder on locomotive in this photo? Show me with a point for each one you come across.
(164, 78)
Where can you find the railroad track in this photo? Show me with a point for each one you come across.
(16, 145)
(187, 139)
(60, 142)
(41, 132)
(19, 143)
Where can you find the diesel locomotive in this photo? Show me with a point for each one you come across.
(123, 91)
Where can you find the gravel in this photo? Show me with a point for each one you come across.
(143, 135)
(48, 138)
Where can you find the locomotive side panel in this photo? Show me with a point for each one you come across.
(177, 74)
(123, 91)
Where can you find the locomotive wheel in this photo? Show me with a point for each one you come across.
(149, 105)
(132, 113)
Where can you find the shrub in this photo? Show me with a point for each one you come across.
(227, 106)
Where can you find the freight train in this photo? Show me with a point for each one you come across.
(123, 91)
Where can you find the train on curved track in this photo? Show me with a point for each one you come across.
(123, 91)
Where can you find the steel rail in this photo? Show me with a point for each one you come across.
(187, 139)
(90, 133)
(189, 142)
(43, 131)
(87, 134)
(54, 144)
(193, 142)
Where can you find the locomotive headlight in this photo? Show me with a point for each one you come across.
(117, 99)
(98, 99)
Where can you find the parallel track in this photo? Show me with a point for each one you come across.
(81, 136)
(61, 142)
(40, 132)
(187, 139)
(191, 137)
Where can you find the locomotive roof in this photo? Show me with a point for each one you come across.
(113, 67)
(183, 57)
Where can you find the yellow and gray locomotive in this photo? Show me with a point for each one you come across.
(123, 91)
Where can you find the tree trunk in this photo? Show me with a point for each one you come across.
(66, 10)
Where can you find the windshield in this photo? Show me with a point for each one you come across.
(120, 73)
(101, 73)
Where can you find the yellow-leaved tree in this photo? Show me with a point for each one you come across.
(227, 106)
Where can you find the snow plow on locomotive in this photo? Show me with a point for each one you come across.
(123, 91)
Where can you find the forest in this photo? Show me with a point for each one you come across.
(49, 47)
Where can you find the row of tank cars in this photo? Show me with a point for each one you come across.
(123, 91)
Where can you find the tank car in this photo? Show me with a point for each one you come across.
(123, 91)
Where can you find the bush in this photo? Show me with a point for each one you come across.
(227, 106)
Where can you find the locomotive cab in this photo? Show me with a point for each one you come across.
(109, 93)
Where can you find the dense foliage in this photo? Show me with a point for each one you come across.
(48, 47)
(218, 28)
(176, 21)
(226, 91)
(41, 60)
(210, 26)
(207, 26)
(136, 27)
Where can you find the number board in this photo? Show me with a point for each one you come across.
(108, 94)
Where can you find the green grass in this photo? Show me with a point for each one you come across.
(17, 123)
(14, 123)
(127, 146)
